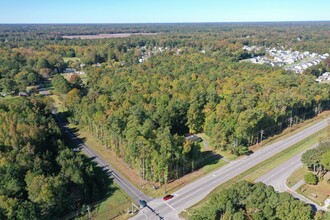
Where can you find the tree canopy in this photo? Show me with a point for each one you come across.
(245, 200)
(41, 178)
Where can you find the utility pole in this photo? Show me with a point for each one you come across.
(261, 135)
(291, 120)
(165, 184)
(89, 212)
(235, 143)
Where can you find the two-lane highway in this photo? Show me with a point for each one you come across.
(197, 190)
(123, 183)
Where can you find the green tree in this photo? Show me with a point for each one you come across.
(60, 84)
(311, 178)
(325, 160)
(72, 99)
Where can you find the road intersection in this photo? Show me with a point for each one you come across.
(277, 178)
(197, 190)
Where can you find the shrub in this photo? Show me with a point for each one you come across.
(311, 178)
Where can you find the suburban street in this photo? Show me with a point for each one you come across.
(277, 178)
(197, 190)
(123, 183)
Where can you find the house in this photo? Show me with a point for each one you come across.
(193, 138)
(69, 70)
(326, 74)
(45, 93)
(23, 94)
(324, 77)
(254, 60)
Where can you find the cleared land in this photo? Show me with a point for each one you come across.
(318, 193)
(102, 36)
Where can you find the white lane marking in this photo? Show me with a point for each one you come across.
(170, 206)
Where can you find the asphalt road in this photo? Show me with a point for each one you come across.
(123, 183)
(277, 178)
(197, 190)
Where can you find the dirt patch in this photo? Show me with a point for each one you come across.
(104, 36)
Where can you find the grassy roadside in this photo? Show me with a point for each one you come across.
(114, 207)
(253, 173)
(292, 130)
(296, 176)
(132, 176)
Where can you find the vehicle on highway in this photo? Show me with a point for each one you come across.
(142, 204)
(167, 197)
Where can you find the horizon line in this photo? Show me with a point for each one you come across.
(179, 22)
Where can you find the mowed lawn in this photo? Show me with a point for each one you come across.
(296, 176)
(317, 193)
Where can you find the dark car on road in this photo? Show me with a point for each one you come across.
(167, 197)
(142, 204)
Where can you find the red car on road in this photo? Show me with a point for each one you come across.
(167, 197)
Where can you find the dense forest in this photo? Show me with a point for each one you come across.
(41, 177)
(142, 112)
(144, 93)
(245, 200)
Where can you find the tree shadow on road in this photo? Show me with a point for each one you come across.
(157, 214)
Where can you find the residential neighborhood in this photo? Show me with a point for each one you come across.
(291, 60)
(325, 77)
(147, 53)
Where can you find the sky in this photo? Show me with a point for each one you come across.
(161, 11)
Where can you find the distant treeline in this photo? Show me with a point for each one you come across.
(296, 35)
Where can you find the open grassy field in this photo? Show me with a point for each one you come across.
(318, 193)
